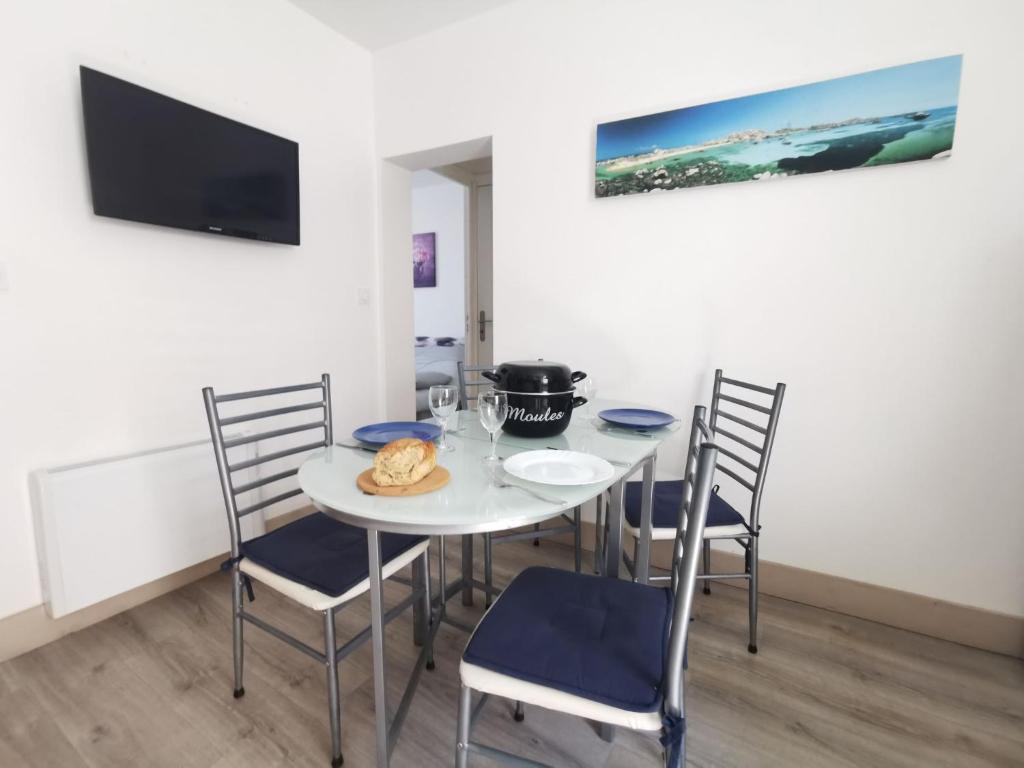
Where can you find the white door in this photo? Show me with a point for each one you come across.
(482, 325)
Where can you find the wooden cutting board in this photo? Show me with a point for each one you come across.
(438, 478)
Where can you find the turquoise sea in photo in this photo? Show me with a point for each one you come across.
(894, 115)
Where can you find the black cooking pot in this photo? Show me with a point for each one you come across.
(541, 396)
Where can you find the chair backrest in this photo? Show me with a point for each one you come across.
(757, 423)
(701, 458)
(274, 445)
(469, 384)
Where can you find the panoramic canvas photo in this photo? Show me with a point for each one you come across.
(892, 115)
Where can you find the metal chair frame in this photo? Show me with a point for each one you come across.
(469, 387)
(469, 393)
(332, 654)
(702, 456)
(748, 540)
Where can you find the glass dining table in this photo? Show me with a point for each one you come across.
(478, 499)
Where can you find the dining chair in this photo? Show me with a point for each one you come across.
(316, 561)
(603, 649)
(748, 457)
(470, 383)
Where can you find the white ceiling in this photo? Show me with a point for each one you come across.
(377, 24)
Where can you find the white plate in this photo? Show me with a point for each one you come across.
(559, 467)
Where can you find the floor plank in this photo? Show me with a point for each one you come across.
(152, 687)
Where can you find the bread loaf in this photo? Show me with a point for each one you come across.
(404, 462)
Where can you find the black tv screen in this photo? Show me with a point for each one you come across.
(160, 161)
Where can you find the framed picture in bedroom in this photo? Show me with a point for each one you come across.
(424, 260)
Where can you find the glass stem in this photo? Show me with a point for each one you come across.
(494, 447)
(444, 434)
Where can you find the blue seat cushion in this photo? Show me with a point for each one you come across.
(590, 636)
(322, 554)
(668, 497)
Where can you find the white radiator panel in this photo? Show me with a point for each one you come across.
(106, 527)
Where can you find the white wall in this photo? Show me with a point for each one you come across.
(110, 329)
(889, 300)
(439, 206)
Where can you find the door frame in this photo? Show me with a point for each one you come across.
(472, 269)
(472, 183)
(396, 388)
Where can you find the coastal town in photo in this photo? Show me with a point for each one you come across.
(893, 115)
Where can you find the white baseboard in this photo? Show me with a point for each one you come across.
(33, 627)
(964, 624)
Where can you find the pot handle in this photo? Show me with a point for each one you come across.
(491, 376)
(577, 376)
(578, 401)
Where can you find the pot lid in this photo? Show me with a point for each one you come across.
(536, 376)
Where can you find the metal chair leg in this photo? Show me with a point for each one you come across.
(752, 594)
(681, 762)
(598, 531)
(536, 527)
(707, 566)
(238, 645)
(488, 571)
(577, 537)
(333, 700)
(462, 730)
(425, 610)
(519, 715)
(635, 571)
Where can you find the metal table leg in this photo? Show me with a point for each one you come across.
(467, 569)
(377, 630)
(388, 730)
(613, 551)
(419, 576)
(446, 592)
(643, 552)
(442, 576)
(613, 556)
(488, 571)
(613, 543)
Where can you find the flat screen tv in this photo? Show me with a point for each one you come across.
(160, 161)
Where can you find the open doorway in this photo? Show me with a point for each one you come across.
(397, 363)
(451, 213)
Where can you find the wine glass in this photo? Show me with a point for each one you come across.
(588, 389)
(444, 400)
(493, 409)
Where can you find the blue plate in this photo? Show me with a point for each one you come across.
(384, 433)
(637, 418)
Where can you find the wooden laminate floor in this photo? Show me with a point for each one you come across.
(152, 687)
